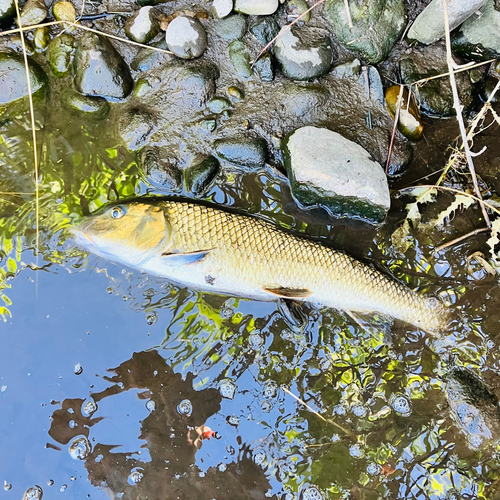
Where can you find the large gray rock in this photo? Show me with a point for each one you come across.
(100, 69)
(479, 36)
(186, 37)
(304, 53)
(429, 25)
(33, 12)
(328, 170)
(256, 7)
(377, 25)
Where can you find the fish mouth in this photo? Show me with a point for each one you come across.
(81, 238)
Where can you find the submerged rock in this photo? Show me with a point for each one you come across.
(60, 53)
(7, 11)
(409, 122)
(198, 178)
(100, 69)
(95, 108)
(244, 151)
(13, 84)
(136, 127)
(297, 8)
(479, 36)
(256, 7)
(159, 170)
(222, 8)
(240, 58)
(429, 25)
(186, 37)
(41, 39)
(143, 26)
(376, 26)
(325, 169)
(264, 68)
(231, 28)
(435, 97)
(304, 53)
(264, 29)
(33, 12)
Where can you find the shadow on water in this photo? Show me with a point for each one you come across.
(120, 385)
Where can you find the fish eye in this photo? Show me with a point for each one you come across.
(118, 212)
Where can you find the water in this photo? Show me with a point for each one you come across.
(184, 391)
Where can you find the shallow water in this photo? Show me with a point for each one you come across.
(120, 385)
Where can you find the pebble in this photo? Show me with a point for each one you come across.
(409, 123)
(186, 37)
(200, 177)
(256, 7)
(231, 28)
(143, 26)
(304, 53)
(244, 151)
(59, 54)
(240, 58)
(222, 8)
(295, 9)
(264, 29)
(95, 108)
(33, 12)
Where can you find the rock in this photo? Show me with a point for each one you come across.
(136, 127)
(435, 97)
(145, 59)
(487, 89)
(235, 93)
(41, 39)
(264, 29)
(100, 69)
(304, 53)
(218, 104)
(350, 69)
(65, 11)
(13, 84)
(429, 25)
(409, 122)
(33, 12)
(240, 59)
(244, 151)
(377, 25)
(198, 178)
(295, 9)
(60, 53)
(231, 28)
(479, 36)
(7, 12)
(186, 37)
(326, 169)
(222, 8)
(264, 67)
(160, 170)
(143, 26)
(95, 108)
(256, 7)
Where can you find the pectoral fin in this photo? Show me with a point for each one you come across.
(289, 293)
(184, 259)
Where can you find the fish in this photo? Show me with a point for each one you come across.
(217, 250)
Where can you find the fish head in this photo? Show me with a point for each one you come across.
(125, 232)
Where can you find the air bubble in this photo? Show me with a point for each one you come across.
(3, 388)
(227, 388)
(135, 477)
(340, 409)
(222, 467)
(72, 424)
(266, 406)
(7, 486)
(355, 451)
(90, 407)
(151, 405)
(79, 449)
(260, 458)
(33, 493)
(226, 311)
(270, 390)
(185, 407)
(255, 341)
(151, 318)
(50, 482)
(373, 469)
(401, 404)
(63, 488)
(233, 420)
(312, 493)
(359, 410)
(78, 369)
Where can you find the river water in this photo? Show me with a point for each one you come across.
(115, 384)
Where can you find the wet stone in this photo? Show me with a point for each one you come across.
(235, 93)
(304, 53)
(264, 68)
(429, 26)
(297, 8)
(256, 7)
(325, 169)
(240, 58)
(160, 170)
(218, 104)
(136, 127)
(7, 12)
(487, 89)
(95, 108)
(244, 151)
(143, 26)
(435, 97)
(200, 177)
(41, 39)
(377, 25)
(186, 37)
(264, 29)
(409, 123)
(479, 36)
(350, 69)
(222, 8)
(147, 58)
(231, 28)
(60, 53)
(33, 493)
(33, 12)
(100, 69)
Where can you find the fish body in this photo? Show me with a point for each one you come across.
(227, 253)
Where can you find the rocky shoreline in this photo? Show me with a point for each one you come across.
(316, 104)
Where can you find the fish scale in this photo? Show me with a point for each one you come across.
(254, 255)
